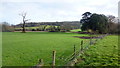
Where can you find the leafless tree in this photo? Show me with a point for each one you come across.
(24, 20)
(6, 27)
(111, 23)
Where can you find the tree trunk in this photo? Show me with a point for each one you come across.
(23, 31)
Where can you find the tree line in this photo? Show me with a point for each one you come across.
(96, 23)
(99, 23)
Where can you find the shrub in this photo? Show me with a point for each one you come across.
(6, 27)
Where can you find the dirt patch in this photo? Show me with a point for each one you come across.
(84, 37)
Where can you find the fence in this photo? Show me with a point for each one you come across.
(72, 59)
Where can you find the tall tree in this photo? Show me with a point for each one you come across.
(112, 26)
(85, 19)
(95, 22)
(24, 21)
(111, 21)
(98, 22)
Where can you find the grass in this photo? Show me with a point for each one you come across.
(37, 27)
(28, 28)
(104, 53)
(75, 30)
(24, 49)
(0, 49)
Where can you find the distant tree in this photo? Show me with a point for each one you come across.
(111, 23)
(58, 28)
(52, 28)
(111, 18)
(112, 26)
(95, 22)
(42, 27)
(6, 27)
(24, 20)
(66, 27)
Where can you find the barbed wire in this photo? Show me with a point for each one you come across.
(86, 45)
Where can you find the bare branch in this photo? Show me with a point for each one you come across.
(27, 20)
(23, 14)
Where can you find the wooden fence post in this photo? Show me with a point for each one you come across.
(81, 48)
(90, 40)
(74, 51)
(53, 58)
(40, 63)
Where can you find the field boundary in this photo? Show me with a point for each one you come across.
(72, 59)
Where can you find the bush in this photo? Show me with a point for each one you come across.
(33, 29)
(6, 27)
(54, 29)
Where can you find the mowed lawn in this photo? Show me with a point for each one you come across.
(24, 49)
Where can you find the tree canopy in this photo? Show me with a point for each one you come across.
(95, 22)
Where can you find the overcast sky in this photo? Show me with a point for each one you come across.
(54, 10)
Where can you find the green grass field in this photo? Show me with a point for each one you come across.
(24, 49)
(37, 27)
(103, 53)
(0, 49)
(75, 30)
(27, 28)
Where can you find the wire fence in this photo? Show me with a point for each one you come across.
(71, 59)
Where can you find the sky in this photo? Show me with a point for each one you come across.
(54, 10)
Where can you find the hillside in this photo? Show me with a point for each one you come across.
(35, 24)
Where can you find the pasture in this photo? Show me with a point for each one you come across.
(103, 53)
(75, 30)
(36, 27)
(24, 49)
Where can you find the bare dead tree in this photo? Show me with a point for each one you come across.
(24, 20)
